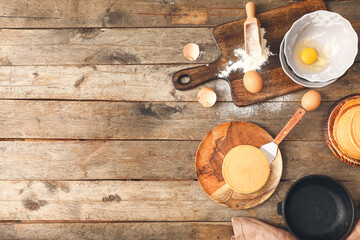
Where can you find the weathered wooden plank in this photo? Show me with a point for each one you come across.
(115, 231)
(126, 13)
(129, 83)
(24, 160)
(51, 160)
(116, 200)
(128, 120)
(103, 46)
(302, 158)
(347, 9)
(101, 82)
(126, 201)
(129, 13)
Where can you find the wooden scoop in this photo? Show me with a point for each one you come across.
(252, 32)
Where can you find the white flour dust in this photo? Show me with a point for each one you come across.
(245, 62)
(231, 111)
(252, 39)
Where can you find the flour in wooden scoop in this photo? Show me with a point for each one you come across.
(252, 39)
(246, 63)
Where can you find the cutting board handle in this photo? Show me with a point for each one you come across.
(290, 125)
(192, 77)
(250, 10)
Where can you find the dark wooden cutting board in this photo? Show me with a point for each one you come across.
(230, 36)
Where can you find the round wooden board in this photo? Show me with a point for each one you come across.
(328, 131)
(211, 153)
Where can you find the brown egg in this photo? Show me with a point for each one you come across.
(253, 81)
(191, 51)
(207, 97)
(311, 100)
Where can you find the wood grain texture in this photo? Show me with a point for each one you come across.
(128, 120)
(103, 46)
(46, 47)
(126, 13)
(24, 160)
(210, 156)
(122, 201)
(116, 201)
(302, 158)
(116, 231)
(130, 83)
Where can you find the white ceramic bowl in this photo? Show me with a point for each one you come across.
(288, 71)
(329, 30)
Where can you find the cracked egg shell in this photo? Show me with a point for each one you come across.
(207, 97)
(191, 51)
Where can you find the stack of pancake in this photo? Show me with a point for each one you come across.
(345, 132)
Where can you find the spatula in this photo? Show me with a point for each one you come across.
(270, 149)
(252, 32)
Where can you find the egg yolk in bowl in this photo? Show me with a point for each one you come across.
(308, 55)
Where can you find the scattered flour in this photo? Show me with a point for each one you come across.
(245, 62)
(222, 87)
(252, 39)
(231, 111)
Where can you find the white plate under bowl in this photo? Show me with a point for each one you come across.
(324, 27)
(293, 76)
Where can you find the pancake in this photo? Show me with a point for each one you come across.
(345, 107)
(350, 104)
(355, 129)
(343, 134)
(246, 169)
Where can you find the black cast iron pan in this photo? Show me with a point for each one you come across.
(318, 207)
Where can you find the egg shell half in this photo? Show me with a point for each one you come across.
(207, 97)
(191, 51)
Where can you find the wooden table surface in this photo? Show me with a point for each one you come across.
(96, 143)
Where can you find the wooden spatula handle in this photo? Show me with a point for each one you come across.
(192, 77)
(250, 10)
(290, 125)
